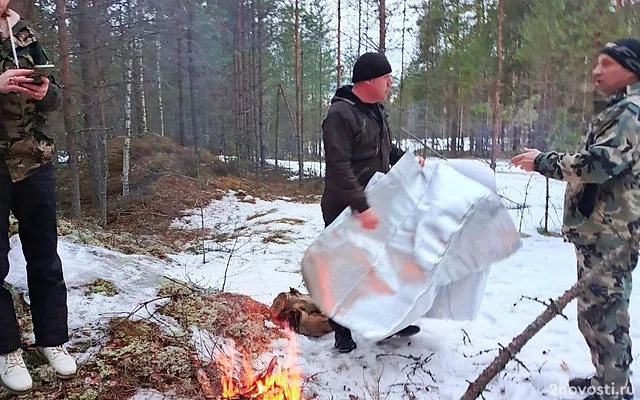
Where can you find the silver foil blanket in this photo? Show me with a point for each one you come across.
(441, 228)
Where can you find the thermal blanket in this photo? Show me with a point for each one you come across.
(441, 228)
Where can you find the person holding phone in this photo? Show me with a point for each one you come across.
(27, 188)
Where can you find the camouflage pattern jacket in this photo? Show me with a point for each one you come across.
(602, 200)
(26, 142)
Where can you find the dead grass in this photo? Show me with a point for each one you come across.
(290, 221)
(117, 238)
(260, 214)
(102, 286)
(279, 236)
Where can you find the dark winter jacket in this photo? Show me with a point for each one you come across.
(357, 144)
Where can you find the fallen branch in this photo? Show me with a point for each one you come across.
(537, 300)
(479, 353)
(419, 364)
(513, 357)
(554, 308)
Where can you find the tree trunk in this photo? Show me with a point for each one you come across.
(126, 151)
(298, 52)
(136, 67)
(246, 87)
(237, 47)
(277, 124)
(144, 128)
(261, 124)
(103, 137)
(192, 77)
(320, 107)
(159, 73)
(404, 23)
(286, 103)
(253, 87)
(67, 107)
(90, 99)
(181, 132)
(496, 100)
(339, 64)
(359, 27)
(383, 26)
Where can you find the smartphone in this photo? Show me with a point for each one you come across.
(43, 69)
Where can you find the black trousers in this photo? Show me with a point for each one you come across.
(331, 211)
(33, 202)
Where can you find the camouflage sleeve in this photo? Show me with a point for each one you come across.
(611, 153)
(52, 100)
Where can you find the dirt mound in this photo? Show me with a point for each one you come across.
(166, 179)
(223, 314)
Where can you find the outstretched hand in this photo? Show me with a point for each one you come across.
(526, 160)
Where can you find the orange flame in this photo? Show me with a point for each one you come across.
(273, 383)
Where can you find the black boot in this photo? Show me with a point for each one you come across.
(344, 342)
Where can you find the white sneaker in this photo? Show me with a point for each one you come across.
(14, 374)
(60, 360)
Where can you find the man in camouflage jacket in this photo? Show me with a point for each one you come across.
(602, 216)
(27, 188)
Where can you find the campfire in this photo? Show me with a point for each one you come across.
(275, 382)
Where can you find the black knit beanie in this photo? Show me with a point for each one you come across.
(370, 66)
(626, 52)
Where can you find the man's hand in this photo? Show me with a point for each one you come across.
(526, 159)
(420, 161)
(12, 80)
(37, 91)
(369, 219)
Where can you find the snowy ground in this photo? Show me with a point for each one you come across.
(263, 260)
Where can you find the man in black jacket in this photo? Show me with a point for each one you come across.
(357, 144)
